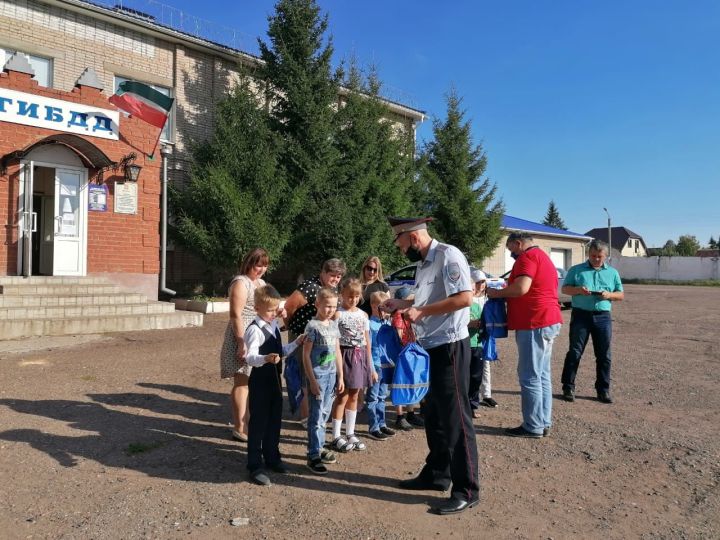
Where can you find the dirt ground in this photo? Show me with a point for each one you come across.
(125, 436)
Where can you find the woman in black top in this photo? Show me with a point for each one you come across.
(300, 305)
(371, 277)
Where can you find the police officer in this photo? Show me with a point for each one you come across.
(440, 314)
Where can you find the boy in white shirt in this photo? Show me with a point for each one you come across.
(264, 352)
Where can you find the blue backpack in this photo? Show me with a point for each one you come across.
(411, 379)
(388, 346)
(293, 380)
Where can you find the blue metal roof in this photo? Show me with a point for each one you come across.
(517, 224)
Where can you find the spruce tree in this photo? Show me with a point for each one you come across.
(712, 244)
(374, 173)
(237, 196)
(301, 92)
(456, 192)
(552, 217)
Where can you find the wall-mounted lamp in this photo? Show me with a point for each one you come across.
(132, 172)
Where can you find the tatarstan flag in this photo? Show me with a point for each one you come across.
(142, 101)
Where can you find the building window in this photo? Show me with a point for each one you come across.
(630, 242)
(167, 131)
(43, 67)
(637, 246)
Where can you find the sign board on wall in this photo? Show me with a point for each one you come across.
(38, 111)
(126, 197)
(97, 198)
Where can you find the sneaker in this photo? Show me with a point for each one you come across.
(490, 402)
(604, 397)
(328, 456)
(342, 445)
(568, 394)
(522, 432)
(378, 435)
(316, 466)
(260, 478)
(415, 419)
(403, 424)
(546, 432)
(357, 443)
(388, 431)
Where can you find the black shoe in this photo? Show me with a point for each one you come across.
(388, 431)
(415, 420)
(421, 484)
(489, 402)
(568, 394)
(454, 506)
(378, 435)
(604, 397)
(316, 466)
(402, 424)
(546, 432)
(279, 468)
(260, 478)
(522, 432)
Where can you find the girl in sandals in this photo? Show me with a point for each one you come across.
(358, 370)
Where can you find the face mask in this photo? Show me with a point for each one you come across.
(413, 254)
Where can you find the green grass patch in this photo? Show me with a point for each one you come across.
(140, 448)
(88, 378)
(693, 282)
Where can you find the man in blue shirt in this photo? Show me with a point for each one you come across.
(440, 314)
(593, 285)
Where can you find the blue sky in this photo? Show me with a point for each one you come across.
(593, 104)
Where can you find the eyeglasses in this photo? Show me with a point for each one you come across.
(371, 269)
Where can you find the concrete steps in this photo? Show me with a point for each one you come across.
(56, 306)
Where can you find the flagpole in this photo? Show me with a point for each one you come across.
(152, 149)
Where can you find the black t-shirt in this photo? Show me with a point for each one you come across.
(375, 286)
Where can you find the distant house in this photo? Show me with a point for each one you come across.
(565, 248)
(708, 252)
(625, 243)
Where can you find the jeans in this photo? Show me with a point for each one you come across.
(375, 403)
(583, 325)
(320, 407)
(534, 368)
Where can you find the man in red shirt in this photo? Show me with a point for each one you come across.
(534, 314)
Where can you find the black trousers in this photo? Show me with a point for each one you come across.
(449, 429)
(476, 376)
(265, 403)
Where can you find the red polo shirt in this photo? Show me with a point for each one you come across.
(539, 306)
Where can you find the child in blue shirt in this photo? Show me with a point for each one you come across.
(376, 394)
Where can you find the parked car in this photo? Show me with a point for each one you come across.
(405, 276)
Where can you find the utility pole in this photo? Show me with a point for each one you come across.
(609, 234)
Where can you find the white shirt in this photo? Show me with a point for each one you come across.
(254, 338)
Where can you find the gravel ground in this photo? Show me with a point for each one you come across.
(125, 436)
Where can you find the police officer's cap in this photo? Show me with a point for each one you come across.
(400, 225)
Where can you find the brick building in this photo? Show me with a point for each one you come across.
(76, 53)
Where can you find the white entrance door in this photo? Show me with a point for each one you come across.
(70, 220)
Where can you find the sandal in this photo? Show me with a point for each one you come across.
(357, 443)
(342, 445)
